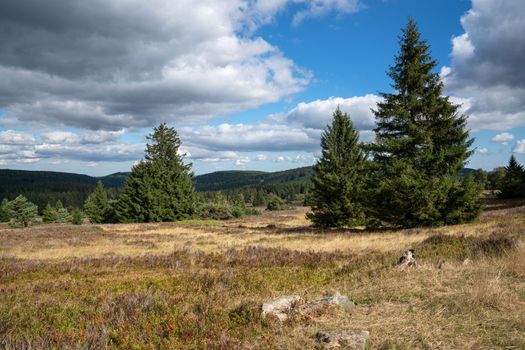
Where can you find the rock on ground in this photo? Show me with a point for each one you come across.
(336, 299)
(343, 339)
(281, 307)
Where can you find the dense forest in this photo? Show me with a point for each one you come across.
(41, 187)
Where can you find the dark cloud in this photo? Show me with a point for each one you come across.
(487, 64)
(104, 64)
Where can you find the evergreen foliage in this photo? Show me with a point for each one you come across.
(76, 217)
(97, 205)
(49, 214)
(338, 180)
(159, 188)
(260, 198)
(62, 214)
(4, 212)
(21, 211)
(421, 145)
(513, 182)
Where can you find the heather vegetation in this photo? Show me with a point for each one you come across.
(200, 284)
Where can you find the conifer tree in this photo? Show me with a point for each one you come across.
(4, 212)
(260, 198)
(96, 205)
(76, 217)
(21, 211)
(421, 145)
(62, 214)
(336, 197)
(513, 183)
(159, 188)
(49, 214)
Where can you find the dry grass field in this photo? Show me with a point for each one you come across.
(200, 284)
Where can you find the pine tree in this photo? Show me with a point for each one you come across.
(62, 214)
(336, 197)
(260, 198)
(49, 214)
(76, 217)
(421, 144)
(4, 212)
(96, 205)
(21, 211)
(159, 188)
(513, 183)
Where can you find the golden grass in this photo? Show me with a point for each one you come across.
(173, 285)
(291, 231)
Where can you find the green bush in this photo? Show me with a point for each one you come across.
(77, 217)
(274, 205)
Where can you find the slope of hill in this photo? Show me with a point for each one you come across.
(226, 180)
(42, 187)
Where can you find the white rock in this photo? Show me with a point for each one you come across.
(281, 307)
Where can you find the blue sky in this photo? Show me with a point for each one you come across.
(248, 84)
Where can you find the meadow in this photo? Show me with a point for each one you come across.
(200, 284)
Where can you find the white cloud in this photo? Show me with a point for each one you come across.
(251, 137)
(92, 164)
(482, 150)
(261, 157)
(321, 7)
(317, 114)
(520, 147)
(131, 64)
(504, 137)
(11, 137)
(242, 161)
(487, 64)
(280, 159)
(299, 129)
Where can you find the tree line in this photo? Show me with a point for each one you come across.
(409, 176)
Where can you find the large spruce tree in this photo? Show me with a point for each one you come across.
(336, 197)
(159, 188)
(422, 142)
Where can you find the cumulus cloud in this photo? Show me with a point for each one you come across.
(504, 137)
(317, 114)
(11, 137)
(242, 161)
(111, 64)
(299, 129)
(487, 64)
(520, 147)
(482, 150)
(25, 147)
(251, 137)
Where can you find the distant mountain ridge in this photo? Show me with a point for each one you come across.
(72, 189)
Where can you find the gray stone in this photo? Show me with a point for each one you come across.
(337, 299)
(281, 307)
(343, 339)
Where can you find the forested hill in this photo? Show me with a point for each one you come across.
(42, 187)
(226, 180)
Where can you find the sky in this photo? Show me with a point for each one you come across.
(247, 84)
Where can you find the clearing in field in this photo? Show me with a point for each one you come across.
(201, 284)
